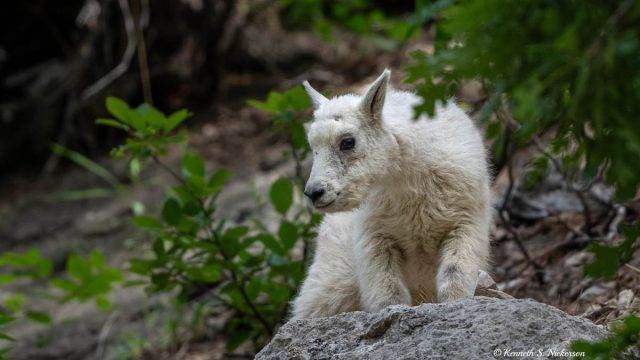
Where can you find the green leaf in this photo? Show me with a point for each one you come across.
(152, 116)
(97, 260)
(15, 302)
(132, 283)
(135, 167)
(260, 105)
(217, 180)
(183, 192)
(193, 165)
(211, 272)
(234, 233)
(44, 268)
(78, 267)
(5, 318)
(118, 108)
(121, 111)
(158, 248)
(278, 293)
(171, 212)
(112, 123)
(64, 284)
(103, 303)
(298, 136)
(288, 234)
(161, 280)
(86, 163)
(631, 234)
(253, 287)
(236, 338)
(146, 222)
(243, 244)
(294, 99)
(39, 317)
(176, 119)
(30, 263)
(6, 337)
(230, 239)
(141, 266)
(270, 243)
(6, 279)
(606, 261)
(316, 219)
(623, 336)
(297, 99)
(281, 195)
(191, 208)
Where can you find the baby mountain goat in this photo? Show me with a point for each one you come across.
(408, 203)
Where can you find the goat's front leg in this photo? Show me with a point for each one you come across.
(462, 254)
(379, 274)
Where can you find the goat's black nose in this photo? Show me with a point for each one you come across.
(314, 193)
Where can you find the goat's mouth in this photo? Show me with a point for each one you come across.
(326, 205)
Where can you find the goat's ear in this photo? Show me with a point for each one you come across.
(373, 100)
(317, 99)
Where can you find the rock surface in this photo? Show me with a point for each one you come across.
(478, 328)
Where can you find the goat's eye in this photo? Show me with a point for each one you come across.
(347, 144)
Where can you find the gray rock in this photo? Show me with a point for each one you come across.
(478, 328)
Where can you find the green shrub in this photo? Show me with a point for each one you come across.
(85, 279)
(88, 279)
(247, 268)
(16, 266)
(361, 17)
(625, 339)
(251, 269)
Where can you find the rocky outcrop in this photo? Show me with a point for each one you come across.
(478, 328)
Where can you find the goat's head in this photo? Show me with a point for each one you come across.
(351, 147)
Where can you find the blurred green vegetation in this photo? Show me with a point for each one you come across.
(569, 67)
(619, 345)
(251, 269)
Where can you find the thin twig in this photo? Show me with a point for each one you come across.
(586, 211)
(69, 111)
(507, 161)
(125, 61)
(141, 12)
(504, 210)
(238, 281)
(516, 239)
(104, 333)
(632, 268)
(169, 170)
(611, 23)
